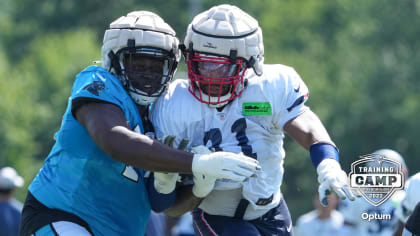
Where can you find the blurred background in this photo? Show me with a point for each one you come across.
(360, 60)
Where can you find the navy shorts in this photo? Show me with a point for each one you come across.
(276, 221)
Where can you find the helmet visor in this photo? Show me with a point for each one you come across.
(215, 70)
(217, 77)
(216, 73)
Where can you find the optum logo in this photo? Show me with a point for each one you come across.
(375, 216)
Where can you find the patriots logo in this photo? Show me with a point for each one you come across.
(95, 87)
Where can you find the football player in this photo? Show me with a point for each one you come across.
(352, 211)
(413, 222)
(10, 208)
(322, 221)
(92, 180)
(408, 211)
(234, 102)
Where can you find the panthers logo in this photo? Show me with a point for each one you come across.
(95, 87)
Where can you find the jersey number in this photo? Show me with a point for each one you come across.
(129, 171)
(238, 128)
(130, 174)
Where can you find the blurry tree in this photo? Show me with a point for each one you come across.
(34, 95)
(62, 16)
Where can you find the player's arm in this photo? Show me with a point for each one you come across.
(190, 196)
(107, 126)
(185, 197)
(311, 134)
(185, 201)
(307, 130)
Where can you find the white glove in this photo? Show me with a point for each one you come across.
(165, 182)
(203, 184)
(332, 178)
(225, 165)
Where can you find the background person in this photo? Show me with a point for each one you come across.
(413, 222)
(408, 205)
(323, 221)
(10, 208)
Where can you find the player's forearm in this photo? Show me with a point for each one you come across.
(142, 152)
(307, 129)
(108, 128)
(185, 201)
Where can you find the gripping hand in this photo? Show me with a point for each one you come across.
(224, 165)
(203, 184)
(332, 178)
(165, 183)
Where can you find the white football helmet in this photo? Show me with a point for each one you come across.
(142, 50)
(220, 44)
(394, 156)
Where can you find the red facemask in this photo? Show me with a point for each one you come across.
(215, 80)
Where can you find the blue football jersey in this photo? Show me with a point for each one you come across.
(78, 177)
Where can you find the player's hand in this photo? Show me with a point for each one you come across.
(223, 165)
(165, 182)
(332, 178)
(203, 185)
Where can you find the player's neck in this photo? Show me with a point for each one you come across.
(143, 110)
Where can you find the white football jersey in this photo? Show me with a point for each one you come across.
(353, 210)
(309, 224)
(273, 99)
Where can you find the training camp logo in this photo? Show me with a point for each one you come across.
(376, 177)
